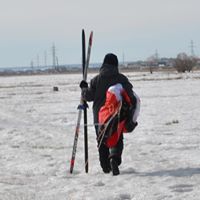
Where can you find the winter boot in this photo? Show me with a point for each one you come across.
(114, 167)
(106, 166)
(106, 170)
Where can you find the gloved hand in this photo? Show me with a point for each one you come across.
(130, 125)
(83, 84)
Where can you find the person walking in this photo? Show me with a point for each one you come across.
(110, 81)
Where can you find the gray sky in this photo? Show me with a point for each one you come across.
(135, 28)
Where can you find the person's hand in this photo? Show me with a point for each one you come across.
(83, 84)
(130, 125)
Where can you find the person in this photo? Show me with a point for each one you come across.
(108, 80)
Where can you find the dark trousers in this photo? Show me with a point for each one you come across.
(105, 153)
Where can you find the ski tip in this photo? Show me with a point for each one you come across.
(83, 33)
(91, 36)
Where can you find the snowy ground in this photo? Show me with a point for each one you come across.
(160, 160)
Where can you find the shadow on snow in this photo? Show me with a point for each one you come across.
(181, 172)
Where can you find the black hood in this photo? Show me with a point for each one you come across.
(108, 70)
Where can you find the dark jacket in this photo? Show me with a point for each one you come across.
(108, 76)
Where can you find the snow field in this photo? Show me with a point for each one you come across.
(160, 158)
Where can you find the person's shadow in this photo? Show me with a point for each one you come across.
(180, 172)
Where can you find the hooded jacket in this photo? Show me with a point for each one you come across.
(108, 75)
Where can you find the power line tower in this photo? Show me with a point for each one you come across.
(38, 61)
(156, 55)
(32, 64)
(45, 58)
(57, 61)
(192, 46)
(123, 59)
(54, 55)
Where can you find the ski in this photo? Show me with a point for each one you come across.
(85, 106)
(82, 105)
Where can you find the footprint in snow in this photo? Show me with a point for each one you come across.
(129, 170)
(99, 184)
(182, 188)
(124, 197)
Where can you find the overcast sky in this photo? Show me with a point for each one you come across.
(133, 28)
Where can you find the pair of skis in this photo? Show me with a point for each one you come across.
(83, 105)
